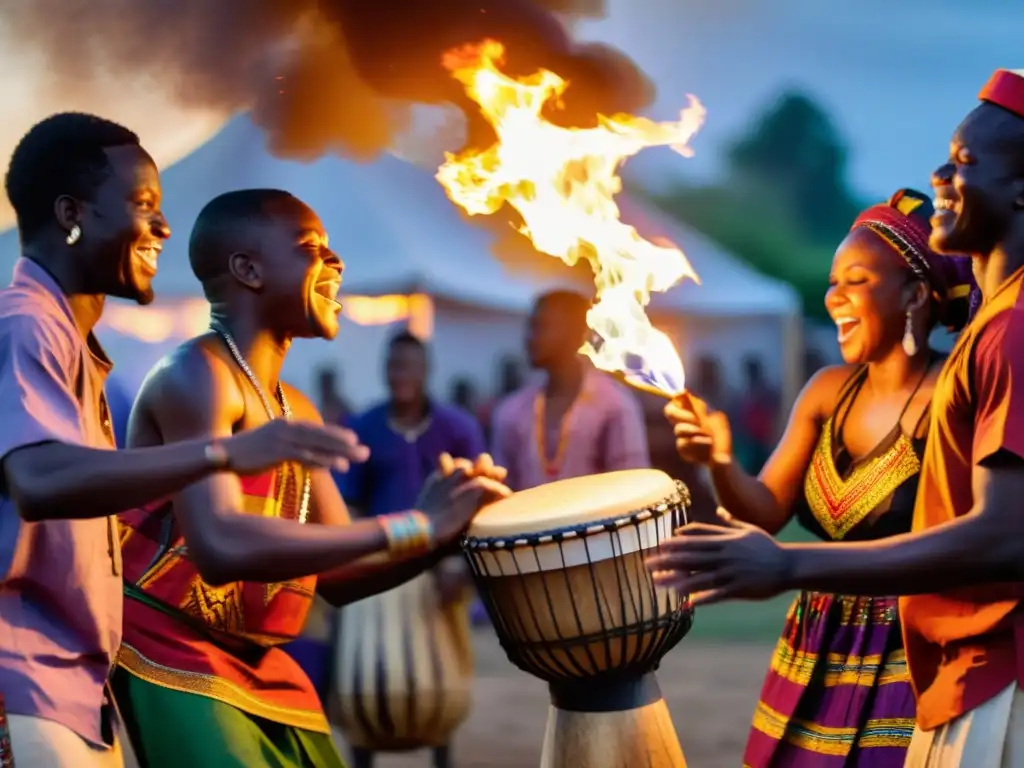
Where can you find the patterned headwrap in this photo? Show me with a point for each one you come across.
(1005, 89)
(904, 223)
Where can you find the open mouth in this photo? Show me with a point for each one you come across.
(328, 289)
(846, 327)
(148, 255)
(944, 205)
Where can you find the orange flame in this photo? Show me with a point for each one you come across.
(563, 183)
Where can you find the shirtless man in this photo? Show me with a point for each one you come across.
(87, 200)
(224, 572)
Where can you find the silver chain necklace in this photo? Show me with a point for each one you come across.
(286, 410)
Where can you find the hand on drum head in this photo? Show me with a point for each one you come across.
(731, 561)
(484, 466)
(702, 436)
(452, 500)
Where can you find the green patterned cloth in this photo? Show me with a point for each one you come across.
(169, 729)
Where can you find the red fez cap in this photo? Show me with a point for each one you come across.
(1005, 89)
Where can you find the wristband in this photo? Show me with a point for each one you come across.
(217, 455)
(408, 533)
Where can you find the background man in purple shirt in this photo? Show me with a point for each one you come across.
(574, 421)
(405, 435)
(87, 200)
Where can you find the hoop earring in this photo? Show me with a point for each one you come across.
(74, 235)
(909, 342)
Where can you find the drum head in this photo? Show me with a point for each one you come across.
(575, 502)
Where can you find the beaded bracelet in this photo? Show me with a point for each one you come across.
(408, 533)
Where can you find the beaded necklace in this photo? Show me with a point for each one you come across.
(286, 410)
(554, 466)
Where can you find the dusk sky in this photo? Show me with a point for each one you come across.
(897, 76)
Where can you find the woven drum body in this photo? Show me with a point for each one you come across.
(403, 669)
(561, 569)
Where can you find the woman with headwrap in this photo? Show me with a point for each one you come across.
(838, 692)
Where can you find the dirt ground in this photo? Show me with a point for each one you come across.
(710, 689)
(711, 692)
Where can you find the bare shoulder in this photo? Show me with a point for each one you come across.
(194, 377)
(302, 407)
(819, 395)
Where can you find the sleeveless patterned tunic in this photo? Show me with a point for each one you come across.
(220, 642)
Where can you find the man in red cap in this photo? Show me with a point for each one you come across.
(963, 566)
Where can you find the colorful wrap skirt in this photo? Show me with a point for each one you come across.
(838, 692)
(172, 729)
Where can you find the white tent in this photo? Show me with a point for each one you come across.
(410, 256)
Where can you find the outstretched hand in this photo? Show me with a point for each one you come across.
(279, 440)
(730, 561)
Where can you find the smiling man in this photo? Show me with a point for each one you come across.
(962, 567)
(223, 573)
(87, 198)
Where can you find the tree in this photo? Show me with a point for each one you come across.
(767, 242)
(795, 154)
(785, 204)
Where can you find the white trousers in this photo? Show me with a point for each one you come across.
(989, 736)
(40, 743)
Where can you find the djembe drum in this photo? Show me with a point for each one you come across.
(403, 669)
(561, 571)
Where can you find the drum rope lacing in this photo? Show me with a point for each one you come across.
(559, 658)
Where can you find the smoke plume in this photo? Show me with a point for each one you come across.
(323, 76)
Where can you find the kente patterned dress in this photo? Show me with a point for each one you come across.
(191, 648)
(838, 692)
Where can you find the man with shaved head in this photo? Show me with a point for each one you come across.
(222, 574)
(962, 567)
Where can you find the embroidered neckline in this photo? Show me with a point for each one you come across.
(839, 504)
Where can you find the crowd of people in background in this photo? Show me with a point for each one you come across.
(754, 407)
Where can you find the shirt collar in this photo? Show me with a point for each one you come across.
(1013, 279)
(588, 388)
(29, 274)
(33, 277)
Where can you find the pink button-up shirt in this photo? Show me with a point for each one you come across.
(604, 430)
(60, 582)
